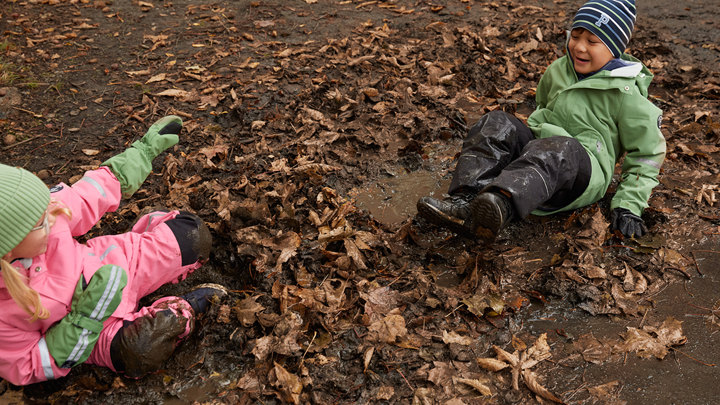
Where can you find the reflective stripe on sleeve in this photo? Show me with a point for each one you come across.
(45, 359)
(149, 224)
(95, 184)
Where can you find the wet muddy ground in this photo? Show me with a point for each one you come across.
(311, 128)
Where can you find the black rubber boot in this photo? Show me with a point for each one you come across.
(450, 212)
(489, 213)
(199, 298)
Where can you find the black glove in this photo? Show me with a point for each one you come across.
(627, 223)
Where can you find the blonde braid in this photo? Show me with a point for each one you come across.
(27, 298)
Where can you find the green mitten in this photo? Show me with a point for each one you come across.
(71, 340)
(132, 166)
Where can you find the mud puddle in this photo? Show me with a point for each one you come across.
(688, 375)
(198, 391)
(392, 200)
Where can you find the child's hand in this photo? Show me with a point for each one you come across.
(160, 136)
(71, 340)
(627, 223)
(132, 167)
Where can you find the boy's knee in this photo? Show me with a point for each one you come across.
(500, 126)
(495, 116)
(193, 237)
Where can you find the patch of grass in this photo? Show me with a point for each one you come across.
(142, 88)
(7, 70)
(7, 73)
(58, 86)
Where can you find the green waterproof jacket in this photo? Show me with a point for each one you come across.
(610, 115)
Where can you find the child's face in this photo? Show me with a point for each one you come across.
(35, 243)
(589, 54)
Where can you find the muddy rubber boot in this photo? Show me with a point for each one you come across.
(489, 213)
(450, 212)
(143, 345)
(201, 296)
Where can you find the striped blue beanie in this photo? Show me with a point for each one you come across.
(610, 20)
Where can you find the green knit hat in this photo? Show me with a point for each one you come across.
(23, 200)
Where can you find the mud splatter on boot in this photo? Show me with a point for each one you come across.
(450, 212)
(143, 345)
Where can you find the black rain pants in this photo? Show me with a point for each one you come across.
(500, 152)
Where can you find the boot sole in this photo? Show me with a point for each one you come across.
(443, 220)
(222, 290)
(486, 220)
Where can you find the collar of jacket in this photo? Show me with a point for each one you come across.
(635, 72)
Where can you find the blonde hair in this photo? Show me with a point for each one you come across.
(17, 285)
(27, 298)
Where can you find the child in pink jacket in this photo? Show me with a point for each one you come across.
(65, 302)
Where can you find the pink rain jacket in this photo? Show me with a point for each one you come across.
(149, 254)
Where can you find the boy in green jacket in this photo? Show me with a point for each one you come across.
(592, 109)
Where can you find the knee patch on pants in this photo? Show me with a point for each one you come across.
(193, 237)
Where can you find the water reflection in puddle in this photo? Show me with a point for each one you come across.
(392, 200)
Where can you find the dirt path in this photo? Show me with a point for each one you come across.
(310, 130)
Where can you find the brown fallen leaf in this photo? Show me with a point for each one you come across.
(423, 396)
(531, 382)
(263, 347)
(138, 72)
(380, 301)
(249, 382)
(246, 310)
(367, 357)
(453, 337)
(520, 362)
(173, 93)
(492, 364)
(442, 375)
(607, 392)
(594, 232)
(477, 384)
(592, 349)
(224, 314)
(387, 329)
(651, 341)
(157, 78)
(385, 393)
(481, 304)
(355, 254)
(290, 386)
